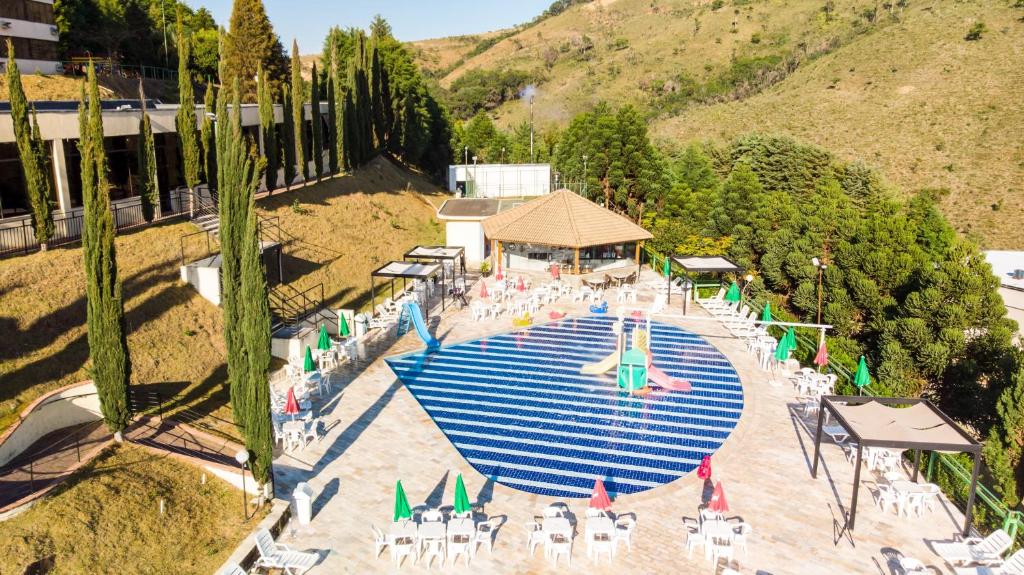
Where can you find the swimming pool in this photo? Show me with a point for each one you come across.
(517, 408)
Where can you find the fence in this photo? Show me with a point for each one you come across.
(946, 470)
(109, 68)
(20, 238)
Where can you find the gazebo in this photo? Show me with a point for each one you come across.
(406, 270)
(441, 254)
(566, 229)
(917, 425)
(703, 265)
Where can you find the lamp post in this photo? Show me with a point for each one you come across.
(474, 177)
(747, 280)
(821, 271)
(242, 457)
(585, 176)
(532, 159)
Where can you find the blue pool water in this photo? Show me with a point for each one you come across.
(517, 408)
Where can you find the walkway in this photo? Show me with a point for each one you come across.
(377, 433)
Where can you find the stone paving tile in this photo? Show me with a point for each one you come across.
(378, 433)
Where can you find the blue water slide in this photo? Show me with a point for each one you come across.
(413, 309)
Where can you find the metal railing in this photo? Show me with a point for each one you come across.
(290, 307)
(952, 476)
(172, 408)
(110, 68)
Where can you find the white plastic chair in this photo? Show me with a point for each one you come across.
(432, 516)
(558, 545)
(484, 535)
(885, 496)
(694, 538)
(552, 511)
(433, 548)
(591, 512)
(380, 542)
(624, 527)
(460, 545)
(278, 556)
(402, 547)
(740, 538)
(599, 544)
(534, 536)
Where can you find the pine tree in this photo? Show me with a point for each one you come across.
(250, 44)
(108, 345)
(332, 124)
(1006, 440)
(186, 117)
(243, 284)
(209, 153)
(298, 113)
(288, 128)
(146, 156)
(31, 153)
(269, 130)
(318, 144)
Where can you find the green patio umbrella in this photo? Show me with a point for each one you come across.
(324, 343)
(402, 509)
(667, 268)
(791, 339)
(461, 498)
(766, 313)
(309, 364)
(782, 349)
(733, 294)
(861, 378)
(343, 326)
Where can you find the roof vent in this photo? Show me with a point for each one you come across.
(53, 31)
(4, 24)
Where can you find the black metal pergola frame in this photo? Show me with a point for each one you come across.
(970, 445)
(688, 269)
(437, 269)
(411, 255)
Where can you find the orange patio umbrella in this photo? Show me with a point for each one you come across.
(718, 503)
(599, 499)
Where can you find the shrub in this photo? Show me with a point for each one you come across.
(485, 90)
(976, 31)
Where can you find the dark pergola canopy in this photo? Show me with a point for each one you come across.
(406, 270)
(440, 254)
(917, 424)
(702, 265)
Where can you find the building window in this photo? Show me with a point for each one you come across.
(28, 10)
(122, 163)
(29, 49)
(13, 192)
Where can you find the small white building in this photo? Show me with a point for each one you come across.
(1008, 266)
(463, 219)
(499, 180)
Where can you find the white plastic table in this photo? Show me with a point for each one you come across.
(461, 527)
(402, 528)
(554, 525)
(432, 530)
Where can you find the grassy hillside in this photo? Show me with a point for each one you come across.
(437, 56)
(903, 91)
(53, 87)
(338, 231)
(107, 519)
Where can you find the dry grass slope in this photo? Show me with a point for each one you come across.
(106, 519)
(347, 226)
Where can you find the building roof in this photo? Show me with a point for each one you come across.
(1004, 264)
(707, 264)
(563, 218)
(476, 208)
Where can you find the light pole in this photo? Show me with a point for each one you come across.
(502, 154)
(585, 176)
(474, 176)
(821, 270)
(532, 160)
(747, 280)
(242, 457)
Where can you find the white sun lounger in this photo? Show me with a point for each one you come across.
(278, 556)
(985, 551)
(1013, 566)
(233, 569)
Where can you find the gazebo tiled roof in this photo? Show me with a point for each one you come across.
(563, 219)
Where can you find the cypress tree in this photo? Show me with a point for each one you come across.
(146, 156)
(186, 118)
(332, 123)
(318, 144)
(244, 301)
(289, 136)
(108, 345)
(206, 138)
(339, 115)
(377, 97)
(298, 113)
(31, 153)
(364, 105)
(269, 129)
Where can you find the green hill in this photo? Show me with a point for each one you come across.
(893, 84)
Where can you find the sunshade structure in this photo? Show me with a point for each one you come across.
(405, 271)
(441, 255)
(703, 265)
(563, 227)
(917, 424)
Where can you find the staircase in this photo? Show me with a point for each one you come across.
(296, 317)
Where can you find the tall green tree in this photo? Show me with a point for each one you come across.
(318, 129)
(349, 149)
(332, 123)
(243, 284)
(209, 152)
(108, 344)
(269, 131)
(186, 116)
(32, 154)
(146, 156)
(1005, 442)
(288, 132)
(298, 113)
(377, 85)
(250, 44)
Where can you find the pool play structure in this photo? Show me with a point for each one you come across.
(530, 408)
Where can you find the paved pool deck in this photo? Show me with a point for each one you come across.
(377, 433)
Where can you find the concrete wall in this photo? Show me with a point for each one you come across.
(64, 408)
(468, 235)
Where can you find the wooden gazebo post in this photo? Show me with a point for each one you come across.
(576, 265)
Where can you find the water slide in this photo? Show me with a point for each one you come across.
(413, 309)
(658, 378)
(604, 366)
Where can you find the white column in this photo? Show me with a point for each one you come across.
(60, 176)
